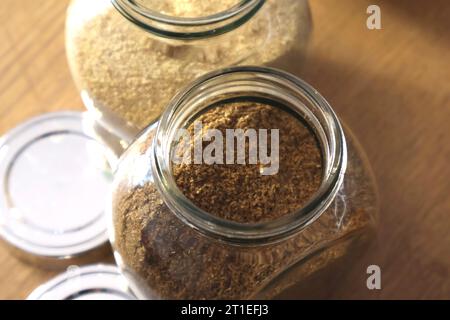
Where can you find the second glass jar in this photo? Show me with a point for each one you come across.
(128, 58)
(170, 248)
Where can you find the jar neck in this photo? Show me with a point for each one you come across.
(260, 83)
(182, 28)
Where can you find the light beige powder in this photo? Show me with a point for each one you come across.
(130, 76)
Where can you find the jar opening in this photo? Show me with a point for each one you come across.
(182, 25)
(263, 84)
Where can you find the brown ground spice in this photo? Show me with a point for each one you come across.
(240, 192)
(171, 260)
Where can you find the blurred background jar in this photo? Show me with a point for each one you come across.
(128, 58)
(169, 248)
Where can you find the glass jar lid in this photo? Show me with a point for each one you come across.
(95, 282)
(55, 179)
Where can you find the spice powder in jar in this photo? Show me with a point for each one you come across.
(166, 256)
(240, 192)
(127, 75)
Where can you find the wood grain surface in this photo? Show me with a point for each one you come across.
(391, 86)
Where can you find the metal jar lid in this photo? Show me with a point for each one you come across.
(55, 180)
(95, 282)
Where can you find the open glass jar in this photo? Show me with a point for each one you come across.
(168, 247)
(127, 70)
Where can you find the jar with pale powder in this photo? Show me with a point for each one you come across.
(128, 58)
(226, 229)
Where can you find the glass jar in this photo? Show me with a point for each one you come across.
(127, 70)
(169, 248)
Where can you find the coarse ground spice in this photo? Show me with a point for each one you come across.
(130, 75)
(169, 259)
(239, 192)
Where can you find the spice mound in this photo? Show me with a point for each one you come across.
(241, 192)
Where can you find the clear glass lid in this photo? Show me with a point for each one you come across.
(55, 179)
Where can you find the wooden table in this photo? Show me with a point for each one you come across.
(391, 86)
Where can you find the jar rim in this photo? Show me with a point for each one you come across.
(248, 233)
(188, 28)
